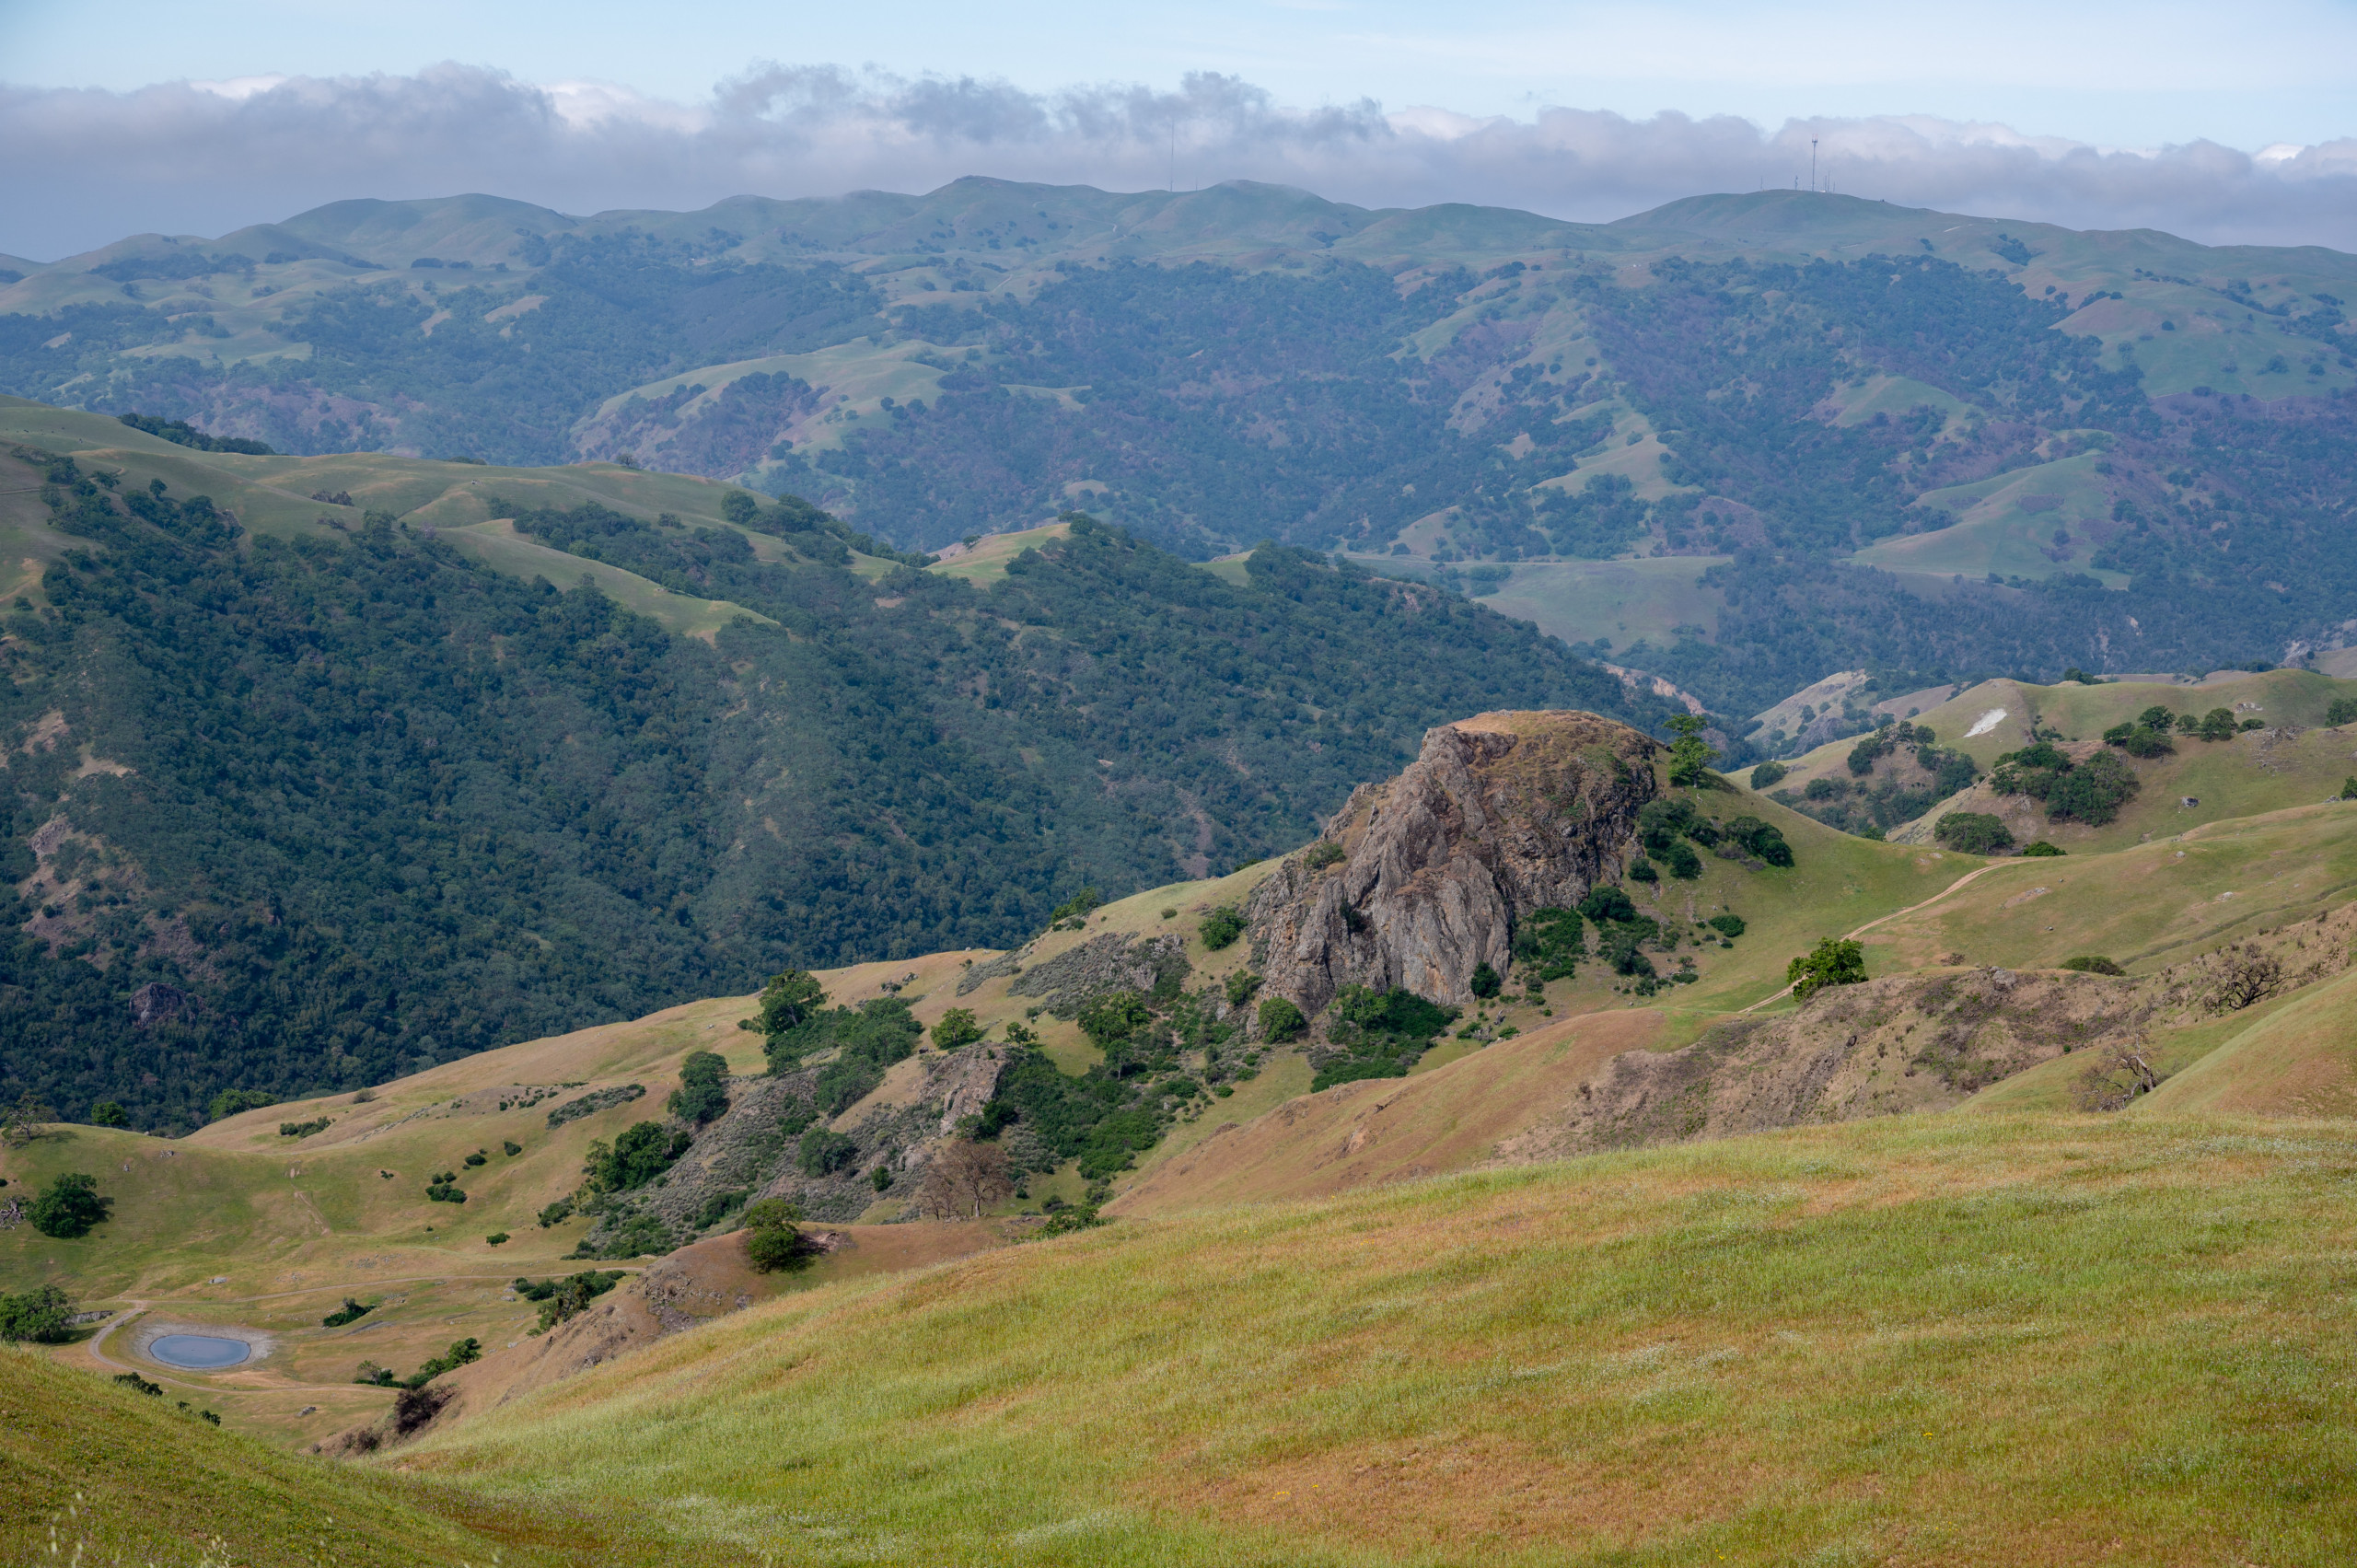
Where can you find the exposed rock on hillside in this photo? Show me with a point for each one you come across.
(1500, 815)
(1068, 981)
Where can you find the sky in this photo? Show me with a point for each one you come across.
(2224, 123)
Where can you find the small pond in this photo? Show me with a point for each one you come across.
(199, 1353)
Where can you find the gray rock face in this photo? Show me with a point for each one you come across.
(1077, 976)
(1500, 815)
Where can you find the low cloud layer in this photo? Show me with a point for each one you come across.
(88, 167)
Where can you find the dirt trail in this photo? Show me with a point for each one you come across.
(1967, 879)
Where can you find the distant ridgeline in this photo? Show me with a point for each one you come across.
(1783, 378)
(298, 816)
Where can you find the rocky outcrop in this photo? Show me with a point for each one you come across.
(1068, 981)
(1498, 815)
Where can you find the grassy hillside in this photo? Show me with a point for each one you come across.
(97, 1472)
(1920, 1340)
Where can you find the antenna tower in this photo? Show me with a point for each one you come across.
(1812, 163)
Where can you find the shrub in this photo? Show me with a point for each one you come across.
(717, 1207)
(1768, 776)
(304, 1129)
(230, 1102)
(1549, 942)
(497, 1238)
(2094, 792)
(2139, 740)
(556, 1213)
(1281, 1020)
(956, 1030)
(2343, 711)
(2218, 724)
(445, 1191)
(561, 1299)
(1620, 947)
(1221, 927)
(69, 1206)
(1641, 870)
(1824, 789)
(1684, 863)
(787, 1001)
(138, 1385)
(702, 1093)
(640, 1236)
(1607, 904)
(1764, 840)
(1727, 926)
(2093, 963)
(1321, 854)
(1485, 982)
(475, 1159)
(2039, 849)
(352, 1311)
(513, 1147)
(109, 1113)
(1973, 833)
(416, 1408)
(44, 1317)
(1241, 986)
(1833, 962)
(823, 1150)
(1078, 907)
(2349, 788)
(643, 1152)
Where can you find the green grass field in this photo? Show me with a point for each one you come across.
(1919, 1341)
(2008, 525)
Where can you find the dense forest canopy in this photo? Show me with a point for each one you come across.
(305, 815)
(978, 360)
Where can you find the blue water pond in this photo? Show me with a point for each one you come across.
(199, 1353)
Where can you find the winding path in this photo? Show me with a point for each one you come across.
(1968, 877)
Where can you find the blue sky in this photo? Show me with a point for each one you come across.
(2110, 74)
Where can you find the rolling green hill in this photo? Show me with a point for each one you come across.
(1936, 394)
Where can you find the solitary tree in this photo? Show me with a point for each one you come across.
(1831, 962)
(69, 1206)
(786, 1000)
(956, 1029)
(1689, 755)
(964, 1179)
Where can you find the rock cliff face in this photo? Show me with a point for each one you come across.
(1500, 815)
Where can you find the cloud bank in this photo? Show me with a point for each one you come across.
(87, 167)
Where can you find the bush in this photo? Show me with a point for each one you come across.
(42, 1316)
(497, 1238)
(2218, 724)
(2094, 792)
(2039, 849)
(1684, 863)
(822, 1152)
(1281, 1020)
(773, 1244)
(1768, 776)
(1076, 908)
(476, 1159)
(304, 1129)
(1833, 962)
(1641, 870)
(1727, 926)
(956, 1030)
(1485, 982)
(138, 1385)
(1607, 904)
(1241, 986)
(2343, 711)
(109, 1113)
(230, 1102)
(2093, 963)
(702, 1094)
(2139, 740)
(1763, 840)
(352, 1311)
(513, 1147)
(1321, 854)
(69, 1206)
(717, 1207)
(1221, 927)
(643, 1152)
(2349, 788)
(1973, 833)
(1549, 942)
